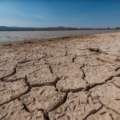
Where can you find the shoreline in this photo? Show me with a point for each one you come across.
(52, 39)
(41, 39)
(46, 39)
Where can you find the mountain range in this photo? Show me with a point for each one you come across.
(14, 28)
(34, 28)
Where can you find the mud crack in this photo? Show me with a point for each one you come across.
(93, 112)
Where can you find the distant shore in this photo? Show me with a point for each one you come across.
(15, 28)
(60, 30)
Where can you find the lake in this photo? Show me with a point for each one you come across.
(7, 36)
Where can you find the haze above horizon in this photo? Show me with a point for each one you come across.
(67, 13)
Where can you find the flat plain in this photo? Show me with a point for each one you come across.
(68, 78)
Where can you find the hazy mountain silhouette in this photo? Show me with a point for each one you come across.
(34, 28)
(2, 28)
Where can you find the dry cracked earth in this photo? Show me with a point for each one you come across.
(72, 78)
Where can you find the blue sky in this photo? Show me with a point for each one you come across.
(52, 13)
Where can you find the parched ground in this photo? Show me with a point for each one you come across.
(72, 78)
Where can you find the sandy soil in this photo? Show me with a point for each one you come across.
(70, 78)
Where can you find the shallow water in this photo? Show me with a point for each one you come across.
(7, 36)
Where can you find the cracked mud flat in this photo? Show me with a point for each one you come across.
(70, 78)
